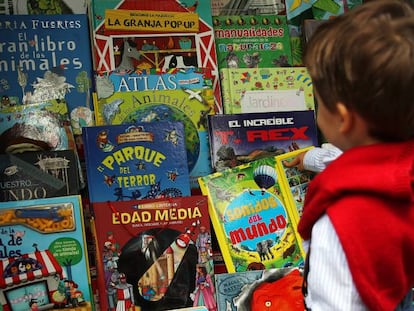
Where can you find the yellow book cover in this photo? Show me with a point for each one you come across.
(254, 214)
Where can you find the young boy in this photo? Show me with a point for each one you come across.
(358, 217)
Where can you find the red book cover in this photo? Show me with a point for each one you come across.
(154, 250)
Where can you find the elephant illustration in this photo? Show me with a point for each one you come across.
(263, 248)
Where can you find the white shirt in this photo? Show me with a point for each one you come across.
(330, 284)
(316, 159)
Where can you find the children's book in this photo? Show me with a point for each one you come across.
(165, 34)
(236, 139)
(266, 89)
(162, 250)
(256, 290)
(254, 211)
(189, 106)
(246, 7)
(252, 41)
(40, 126)
(43, 126)
(325, 9)
(136, 161)
(299, 11)
(109, 83)
(38, 175)
(43, 7)
(47, 57)
(295, 180)
(43, 255)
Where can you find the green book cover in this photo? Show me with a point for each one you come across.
(266, 89)
(248, 41)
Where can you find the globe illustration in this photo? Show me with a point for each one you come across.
(164, 112)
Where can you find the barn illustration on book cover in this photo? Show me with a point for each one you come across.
(164, 34)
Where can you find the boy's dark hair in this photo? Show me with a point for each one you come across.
(365, 59)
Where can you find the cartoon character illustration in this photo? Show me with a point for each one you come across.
(204, 292)
(124, 294)
(172, 136)
(203, 243)
(33, 305)
(103, 142)
(73, 297)
(129, 52)
(172, 175)
(232, 60)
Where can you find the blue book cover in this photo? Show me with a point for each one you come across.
(185, 95)
(43, 255)
(136, 161)
(44, 57)
(236, 139)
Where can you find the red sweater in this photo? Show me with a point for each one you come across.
(368, 195)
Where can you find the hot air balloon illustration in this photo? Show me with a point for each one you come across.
(265, 176)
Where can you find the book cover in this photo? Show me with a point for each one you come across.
(43, 255)
(159, 246)
(309, 27)
(43, 126)
(319, 9)
(266, 89)
(247, 7)
(279, 289)
(253, 215)
(136, 161)
(109, 83)
(252, 41)
(295, 181)
(189, 106)
(45, 57)
(38, 175)
(40, 126)
(44, 7)
(236, 139)
(165, 34)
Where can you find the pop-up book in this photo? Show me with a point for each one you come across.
(43, 255)
(159, 249)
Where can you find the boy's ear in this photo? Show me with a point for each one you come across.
(346, 117)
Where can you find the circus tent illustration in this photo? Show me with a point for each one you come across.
(29, 276)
